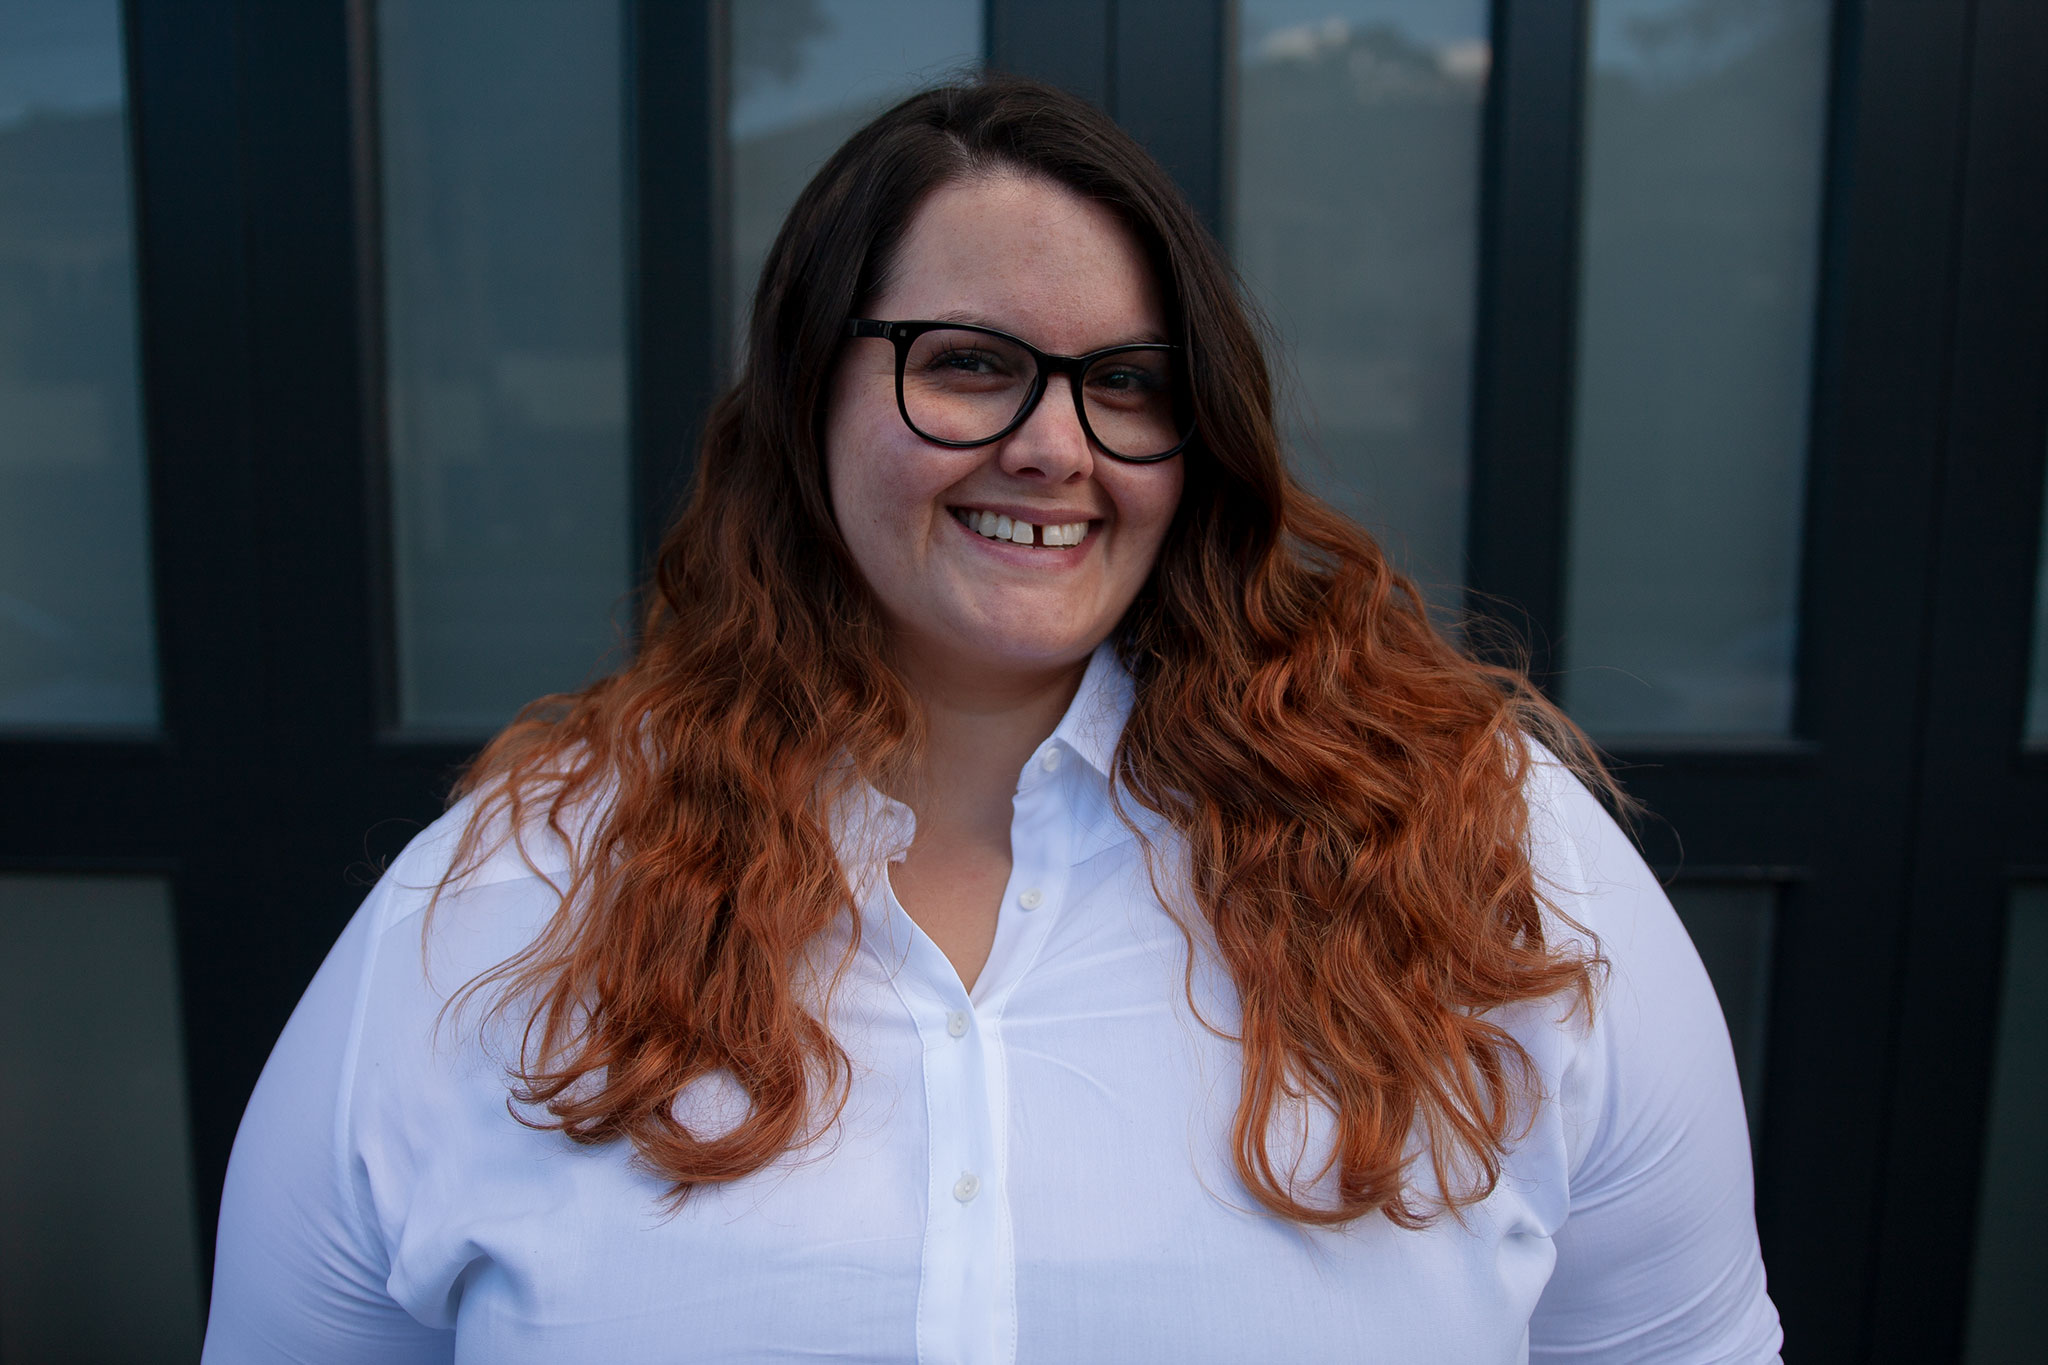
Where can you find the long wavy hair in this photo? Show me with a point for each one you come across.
(1347, 782)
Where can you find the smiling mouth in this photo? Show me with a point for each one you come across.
(995, 526)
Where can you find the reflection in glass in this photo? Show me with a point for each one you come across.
(500, 134)
(2037, 689)
(2009, 1278)
(1704, 143)
(76, 636)
(1733, 928)
(99, 1242)
(805, 74)
(1354, 218)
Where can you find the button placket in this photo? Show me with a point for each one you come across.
(965, 1277)
(966, 1307)
(1041, 837)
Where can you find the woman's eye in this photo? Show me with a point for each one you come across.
(1126, 379)
(965, 362)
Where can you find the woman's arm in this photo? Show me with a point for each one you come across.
(301, 1268)
(1658, 1258)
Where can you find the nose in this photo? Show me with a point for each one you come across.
(1052, 444)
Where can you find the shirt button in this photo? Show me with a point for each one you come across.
(1031, 899)
(1050, 760)
(956, 1023)
(967, 1186)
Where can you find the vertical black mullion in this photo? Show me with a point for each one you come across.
(1978, 652)
(251, 370)
(310, 400)
(1068, 43)
(313, 442)
(1170, 75)
(185, 116)
(1161, 68)
(379, 549)
(1524, 357)
(1880, 402)
(676, 309)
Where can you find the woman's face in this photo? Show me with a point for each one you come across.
(1029, 257)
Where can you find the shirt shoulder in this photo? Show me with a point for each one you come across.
(384, 1083)
(1657, 1253)
(441, 860)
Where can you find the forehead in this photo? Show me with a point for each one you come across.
(1027, 255)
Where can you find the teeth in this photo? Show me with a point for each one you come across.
(996, 526)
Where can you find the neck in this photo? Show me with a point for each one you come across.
(981, 727)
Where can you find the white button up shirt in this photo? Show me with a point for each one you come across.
(1036, 1170)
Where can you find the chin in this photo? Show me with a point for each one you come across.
(998, 646)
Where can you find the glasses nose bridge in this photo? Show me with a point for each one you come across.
(1047, 366)
(1074, 367)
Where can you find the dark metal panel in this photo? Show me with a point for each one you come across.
(307, 399)
(184, 122)
(1068, 43)
(676, 83)
(1741, 814)
(76, 805)
(185, 114)
(1161, 68)
(249, 266)
(1528, 304)
(1171, 66)
(1977, 659)
(1880, 402)
(283, 903)
(2026, 853)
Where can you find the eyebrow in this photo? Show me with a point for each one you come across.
(961, 315)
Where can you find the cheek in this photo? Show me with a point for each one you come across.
(855, 436)
(1153, 503)
(876, 491)
(881, 491)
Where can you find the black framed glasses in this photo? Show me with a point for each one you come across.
(961, 386)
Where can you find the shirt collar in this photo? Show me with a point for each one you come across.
(870, 829)
(1095, 719)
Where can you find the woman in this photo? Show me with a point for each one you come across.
(1043, 890)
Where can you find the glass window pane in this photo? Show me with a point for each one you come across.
(805, 74)
(500, 134)
(1354, 219)
(1704, 143)
(1733, 928)
(2009, 1278)
(2037, 690)
(98, 1235)
(77, 639)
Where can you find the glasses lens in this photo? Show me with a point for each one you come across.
(964, 386)
(1134, 403)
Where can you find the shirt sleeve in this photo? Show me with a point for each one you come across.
(301, 1270)
(1657, 1259)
